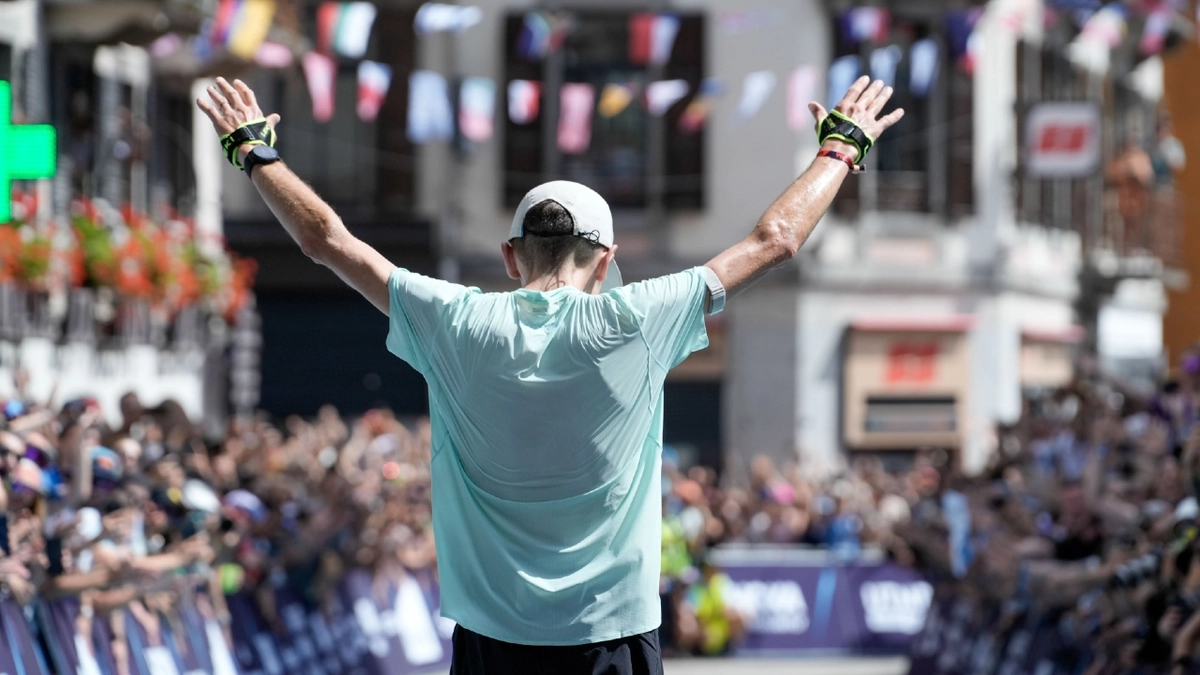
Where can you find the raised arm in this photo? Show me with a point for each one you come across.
(306, 217)
(786, 225)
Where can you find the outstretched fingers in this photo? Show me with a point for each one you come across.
(880, 101)
(219, 102)
(870, 95)
(886, 122)
(855, 92)
(247, 95)
(209, 109)
(231, 94)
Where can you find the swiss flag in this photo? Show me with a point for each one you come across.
(912, 363)
(1063, 137)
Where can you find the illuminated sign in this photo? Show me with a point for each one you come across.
(27, 152)
(912, 363)
(1062, 139)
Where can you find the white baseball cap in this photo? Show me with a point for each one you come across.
(592, 217)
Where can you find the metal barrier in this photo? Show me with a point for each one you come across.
(370, 627)
(796, 603)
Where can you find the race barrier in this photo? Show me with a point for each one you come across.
(794, 604)
(798, 602)
(371, 627)
(965, 636)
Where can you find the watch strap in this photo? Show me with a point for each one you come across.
(255, 158)
(839, 127)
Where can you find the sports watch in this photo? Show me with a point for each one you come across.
(259, 154)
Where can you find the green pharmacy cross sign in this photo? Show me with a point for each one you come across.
(27, 152)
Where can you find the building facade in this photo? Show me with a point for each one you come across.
(946, 281)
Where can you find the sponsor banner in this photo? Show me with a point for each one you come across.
(889, 603)
(855, 608)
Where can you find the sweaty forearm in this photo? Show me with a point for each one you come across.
(311, 222)
(794, 216)
(787, 224)
(783, 228)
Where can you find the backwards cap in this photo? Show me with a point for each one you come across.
(590, 213)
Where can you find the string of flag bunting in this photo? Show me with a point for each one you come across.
(438, 110)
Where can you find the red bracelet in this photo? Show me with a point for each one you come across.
(854, 168)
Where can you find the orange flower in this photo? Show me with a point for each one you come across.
(10, 252)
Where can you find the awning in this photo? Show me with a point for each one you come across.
(179, 68)
(136, 22)
(1070, 335)
(956, 323)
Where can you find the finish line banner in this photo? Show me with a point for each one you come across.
(793, 606)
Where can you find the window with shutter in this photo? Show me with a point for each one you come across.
(618, 160)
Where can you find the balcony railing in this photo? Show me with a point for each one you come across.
(93, 317)
(1143, 223)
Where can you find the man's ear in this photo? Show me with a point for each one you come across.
(605, 260)
(510, 261)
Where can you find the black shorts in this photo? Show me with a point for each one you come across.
(475, 654)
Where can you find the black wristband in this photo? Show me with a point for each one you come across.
(254, 132)
(839, 127)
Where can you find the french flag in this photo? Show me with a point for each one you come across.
(524, 97)
(651, 38)
(1158, 23)
(477, 108)
(374, 80)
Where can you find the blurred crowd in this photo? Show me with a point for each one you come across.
(146, 513)
(1087, 516)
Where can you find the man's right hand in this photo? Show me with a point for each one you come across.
(786, 225)
(863, 103)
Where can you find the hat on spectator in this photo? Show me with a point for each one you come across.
(13, 409)
(198, 496)
(106, 467)
(1187, 509)
(246, 503)
(170, 500)
(29, 475)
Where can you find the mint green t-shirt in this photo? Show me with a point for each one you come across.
(546, 412)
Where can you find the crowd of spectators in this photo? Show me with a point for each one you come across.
(145, 513)
(1086, 517)
(1086, 514)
